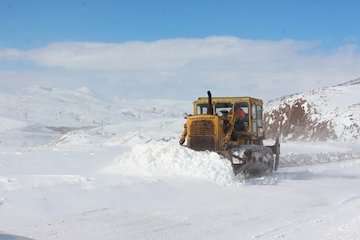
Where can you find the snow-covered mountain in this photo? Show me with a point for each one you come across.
(36, 115)
(55, 107)
(322, 114)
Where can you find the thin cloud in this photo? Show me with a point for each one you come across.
(185, 67)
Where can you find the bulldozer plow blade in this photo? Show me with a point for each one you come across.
(254, 160)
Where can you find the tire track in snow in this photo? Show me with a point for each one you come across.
(296, 160)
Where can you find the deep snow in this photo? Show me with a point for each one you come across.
(118, 173)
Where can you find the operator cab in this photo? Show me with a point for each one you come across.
(246, 112)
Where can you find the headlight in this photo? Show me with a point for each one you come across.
(238, 153)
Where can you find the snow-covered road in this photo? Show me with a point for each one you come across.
(60, 193)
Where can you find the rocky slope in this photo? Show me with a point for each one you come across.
(322, 114)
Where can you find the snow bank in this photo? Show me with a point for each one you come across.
(161, 159)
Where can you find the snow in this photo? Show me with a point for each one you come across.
(116, 171)
(9, 124)
(159, 160)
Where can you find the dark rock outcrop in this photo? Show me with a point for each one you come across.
(297, 121)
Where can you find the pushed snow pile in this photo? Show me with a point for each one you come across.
(162, 159)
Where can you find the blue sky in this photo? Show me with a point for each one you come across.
(158, 48)
(26, 24)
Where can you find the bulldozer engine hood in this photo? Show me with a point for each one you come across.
(203, 131)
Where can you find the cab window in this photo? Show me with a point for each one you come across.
(222, 109)
(259, 116)
(201, 109)
(243, 106)
(241, 113)
(254, 118)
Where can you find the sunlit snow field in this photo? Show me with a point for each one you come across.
(99, 171)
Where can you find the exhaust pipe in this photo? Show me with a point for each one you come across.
(210, 110)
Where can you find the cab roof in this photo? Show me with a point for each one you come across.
(204, 100)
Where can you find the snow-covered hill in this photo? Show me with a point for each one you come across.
(78, 108)
(322, 114)
(54, 107)
(43, 114)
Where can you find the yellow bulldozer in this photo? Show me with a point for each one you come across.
(234, 128)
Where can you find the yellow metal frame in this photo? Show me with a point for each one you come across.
(220, 137)
(233, 100)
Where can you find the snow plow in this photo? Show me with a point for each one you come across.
(232, 127)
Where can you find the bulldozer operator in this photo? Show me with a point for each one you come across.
(242, 119)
